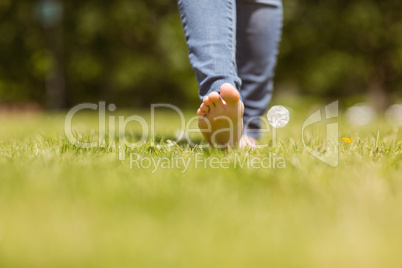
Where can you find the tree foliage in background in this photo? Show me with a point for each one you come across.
(133, 53)
(343, 48)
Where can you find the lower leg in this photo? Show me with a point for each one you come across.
(210, 30)
(258, 35)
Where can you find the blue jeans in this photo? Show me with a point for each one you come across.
(234, 41)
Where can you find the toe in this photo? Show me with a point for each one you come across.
(200, 113)
(215, 99)
(207, 101)
(204, 108)
(229, 93)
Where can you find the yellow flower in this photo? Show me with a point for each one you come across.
(347, 140)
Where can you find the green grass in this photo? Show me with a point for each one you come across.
(62, 206)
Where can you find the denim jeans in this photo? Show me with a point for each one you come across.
(234, 41)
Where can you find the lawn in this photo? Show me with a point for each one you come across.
(65, 206)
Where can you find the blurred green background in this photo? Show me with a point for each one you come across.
(55, 54)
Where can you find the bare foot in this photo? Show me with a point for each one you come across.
(221, 117)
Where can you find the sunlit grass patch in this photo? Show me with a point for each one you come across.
(63, 206)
